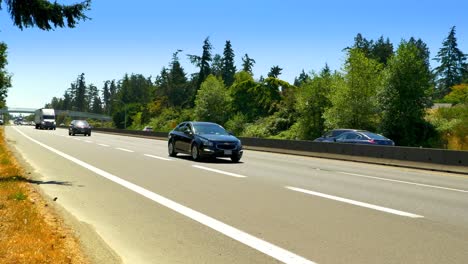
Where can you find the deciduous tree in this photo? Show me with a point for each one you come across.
(353, 98)
(213, 101)
(405, 96)
(5, 78)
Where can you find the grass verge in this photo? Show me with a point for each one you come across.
(30, 231)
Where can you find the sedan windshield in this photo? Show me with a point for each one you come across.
(373, 135)
(82, 123)
(209, 129)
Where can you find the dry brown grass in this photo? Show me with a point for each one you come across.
(30, 232)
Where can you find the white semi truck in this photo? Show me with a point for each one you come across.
(44, 118)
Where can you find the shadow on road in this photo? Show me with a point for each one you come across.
(208, 160)
(23, 179)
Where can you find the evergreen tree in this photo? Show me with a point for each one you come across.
(452, 66)
(229, 69)
(382, 50)
(106, 98)
(67, 101)
(404, 97)
(275, 72)
(362, 44)
(79, 96)
(178, 94)
(303, 77)
(217, 66)
(92, 99)
(247, 64)
(44, 14)
(5, 78)
(203, 62)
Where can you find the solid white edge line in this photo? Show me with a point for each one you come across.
(411, 183)
(219, 171)
(104, 145)
(232, 232)
(349, 201)
(156, 157)
(127, 150)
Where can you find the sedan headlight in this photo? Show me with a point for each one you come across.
(206, 142)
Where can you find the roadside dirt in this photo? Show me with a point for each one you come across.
(33, 227)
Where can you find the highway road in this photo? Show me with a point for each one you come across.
(270, 208)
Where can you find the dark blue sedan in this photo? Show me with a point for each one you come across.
(204, 139)
(363, 137)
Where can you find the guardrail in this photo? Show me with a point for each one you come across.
(421, 158)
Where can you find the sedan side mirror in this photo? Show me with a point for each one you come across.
(334, 140)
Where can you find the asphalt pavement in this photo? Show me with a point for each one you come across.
(151, 208)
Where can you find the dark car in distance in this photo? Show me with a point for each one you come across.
(204, 139)
(330, 135)
(363, 137)
(79, 127)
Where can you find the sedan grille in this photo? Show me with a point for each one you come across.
(226, 145)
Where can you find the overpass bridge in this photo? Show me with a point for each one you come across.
(72, 114)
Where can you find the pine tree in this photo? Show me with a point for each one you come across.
(80, 94)
(382, 50)
(217, 65)
(361, 43)
(275, 72)
(44, 14)
(177, 94)
(106, 97)
(247, 64)
(452, 66)
(92, 93)
(203, 62)
(303, 77)
(229, 69)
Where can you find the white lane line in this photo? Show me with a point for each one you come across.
(232, 232)
(156, 157)
(104, 145)
(219, 171)
(344, 200)
(76, 139)
(87, 141)
(405, 182)
(127, 150)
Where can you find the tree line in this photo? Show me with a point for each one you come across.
(380, 87)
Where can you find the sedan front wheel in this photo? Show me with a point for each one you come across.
(195, 153)
(171, 149)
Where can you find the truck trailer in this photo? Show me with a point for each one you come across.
(44, 118)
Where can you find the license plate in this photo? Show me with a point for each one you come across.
(228, 152)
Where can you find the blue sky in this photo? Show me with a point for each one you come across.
(140, 36)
